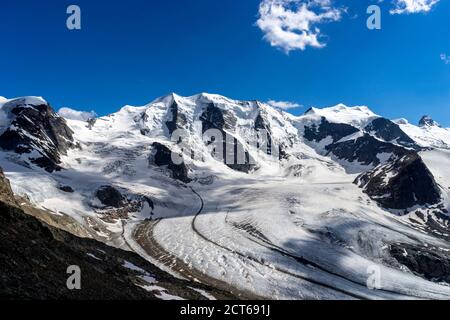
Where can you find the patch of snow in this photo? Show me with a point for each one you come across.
(384, 157)
(93, 256)
(161, 293)
(352, 137)
(204, 293)
(133, 267)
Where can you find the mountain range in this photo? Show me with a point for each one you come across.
(337, 203)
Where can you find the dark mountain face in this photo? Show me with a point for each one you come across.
(261, 123)
(400, 184)
(162, 157)
(422, 261)
(215, 118)
(37, 128)
(390, 132)
(336, 131)
(365, 150)
(109, 196)
(178, 120)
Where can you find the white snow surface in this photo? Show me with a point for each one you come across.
(299, 229)
(358, 116)
(428, 136)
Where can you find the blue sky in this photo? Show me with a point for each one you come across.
(130, 52)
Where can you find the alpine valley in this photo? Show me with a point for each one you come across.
(354, 205)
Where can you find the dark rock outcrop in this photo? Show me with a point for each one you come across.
(162, 157)
(427, 121)
(390, 132)
(178, 119)
(425, 262)
(399, 178)
(401, 183)
(91, 123)
(260, 125)
(336, 131)
(365, 150)
(37, 128)
(67, 189)
(215, 118)
(434, 220)
(110, 196)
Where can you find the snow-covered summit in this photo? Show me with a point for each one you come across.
(31, 128)
(28, 101)
(358, 116)
(427, 121)
(8, 105)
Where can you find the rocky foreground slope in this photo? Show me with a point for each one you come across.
(35, 257)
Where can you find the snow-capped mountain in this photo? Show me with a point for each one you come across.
(263, 203)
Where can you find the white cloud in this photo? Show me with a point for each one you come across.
(412, 6)
(445, 58)
(76, 115)
(292, 24)
(285, 105)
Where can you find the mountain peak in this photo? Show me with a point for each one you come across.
(427, 121)
(212, 97)
(24, 101)
(342, 108)
(356, 116)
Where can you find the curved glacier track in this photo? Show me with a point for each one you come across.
(143, 235)
(186, 248)
(270, 246)
(195, 230)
